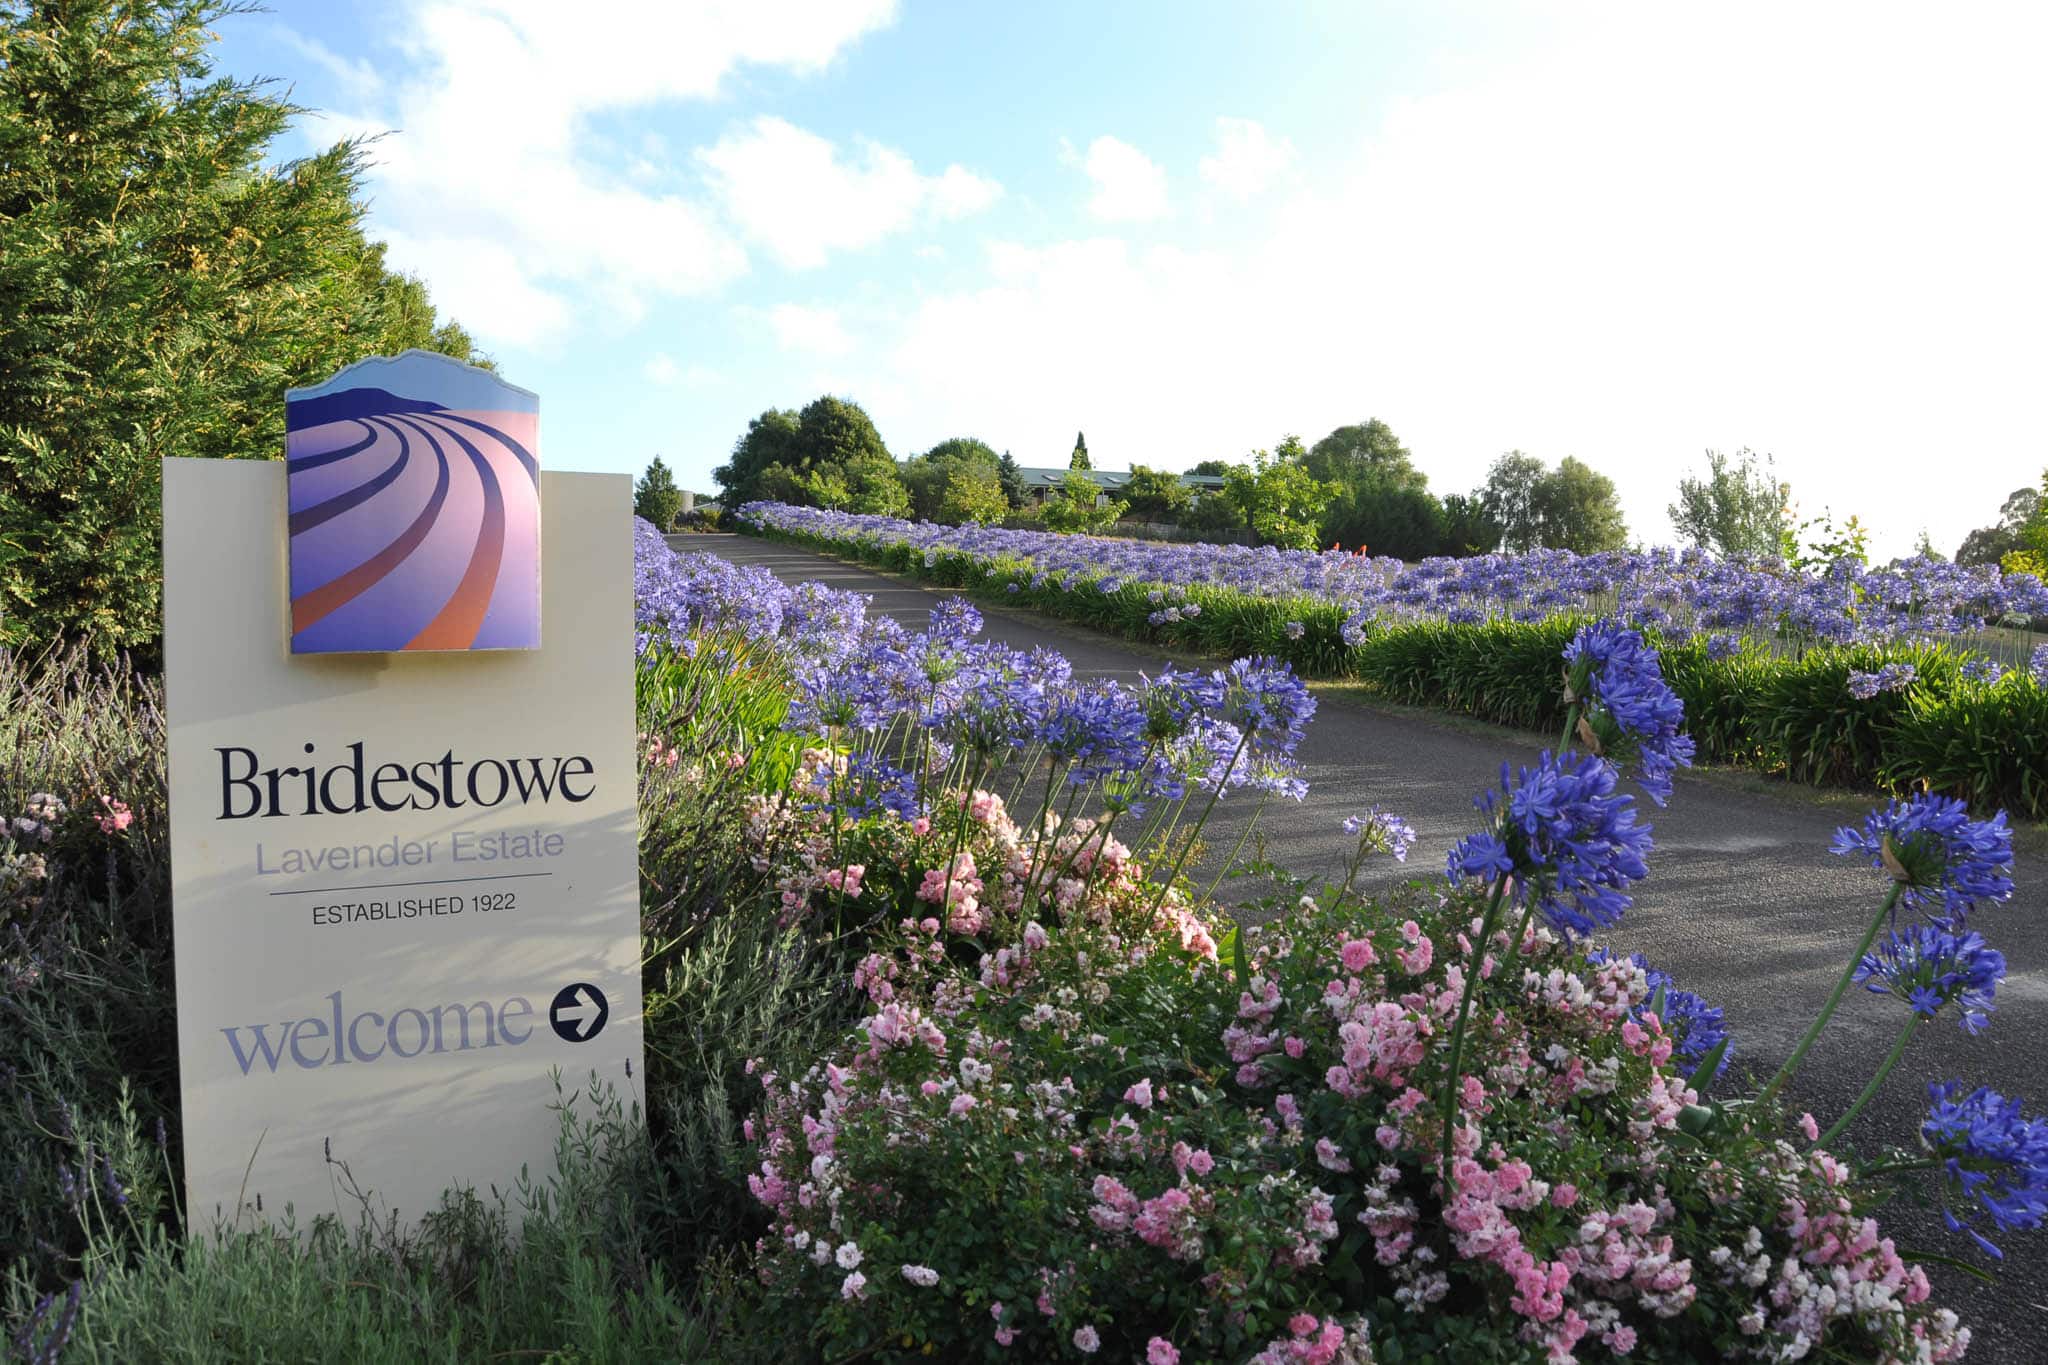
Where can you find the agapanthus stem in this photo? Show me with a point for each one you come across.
(1229, 769)
(1571, 726)
(1249, 825)
(1884, 1069)
(1453, 1075)
(1827, 1011)
(1357, 861)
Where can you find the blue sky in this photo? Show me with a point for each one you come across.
(1618, 231)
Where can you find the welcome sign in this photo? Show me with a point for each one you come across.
(402, 829)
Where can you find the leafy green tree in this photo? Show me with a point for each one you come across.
(973, 495)
(1467, 529)
(1079, 459)
(830, 446)
(656, 497)
(837, 431)
(1011, 475)
(1385, 517)
(1079, 507)
(1212, 469)
(1577, 509)
(163, 280)
(775, 438)
(1508, 499)
(1991, 544)
(2031, 555)
(929, 476)
(876, 485)
(1573, 507)
(1365, 453)
(1739, 510)
(1818, 542)
(1156, 495)
(1279, 499)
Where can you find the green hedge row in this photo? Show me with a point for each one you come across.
(1790, 716)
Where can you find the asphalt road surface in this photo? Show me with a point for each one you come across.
(1744, 904)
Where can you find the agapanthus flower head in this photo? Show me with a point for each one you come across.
(1568, 839)
(1265, 700)
(2037, 664)
(1944, 861)
(1381, 831)
(1994, 1160)
(1203, 757)
(1094, 730)
(955, 619)
(1696, 1027)
(1930, 966)
(1175, 698)
(1862, 686)
(1273, 774)
(1631, 713)
(1983, 670)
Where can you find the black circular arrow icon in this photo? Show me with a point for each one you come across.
(579, 1012)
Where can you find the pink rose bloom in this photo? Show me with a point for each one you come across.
(921, 826)
(1005, 1335)
(1160, 1351)
(1294, 1047)
(115, 817)
(1301, 1324)
(854, 1286)
(1565, 1195)
(960, 1105)
(1809, 1127)
(1087, 1341)
(1140, 1094)
(1358, 955)
(1200, 1162)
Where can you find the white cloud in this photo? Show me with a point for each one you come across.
(1129, 186)
(1248, 158)
(662, 369)
(817, 330)
(792, 191)
(489, 185)
(1649, 235)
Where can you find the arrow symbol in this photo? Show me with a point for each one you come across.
(578, 1012)
(584, 1013)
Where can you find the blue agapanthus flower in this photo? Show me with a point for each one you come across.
(1930, 966)
(2037, 664)
(1994, 1160)
(1264, 699)
(1983, 670)
(1632, 711)
(1174, 699)
(1564, 834)
(1094, 730)
(1696, 1028)
(1382, 831)
(1937, 853)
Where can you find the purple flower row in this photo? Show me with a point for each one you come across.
(1677, 592)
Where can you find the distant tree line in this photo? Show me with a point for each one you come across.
(1357, 488)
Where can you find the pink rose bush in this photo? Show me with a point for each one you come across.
(1096, 1127)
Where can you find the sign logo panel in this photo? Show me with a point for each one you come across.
(414, 509)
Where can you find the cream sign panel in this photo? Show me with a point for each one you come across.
(405, 882)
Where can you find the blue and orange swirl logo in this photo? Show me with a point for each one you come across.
(415, 509)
